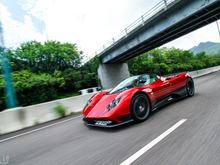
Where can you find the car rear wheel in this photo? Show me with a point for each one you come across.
(140, 107)
(190, 87)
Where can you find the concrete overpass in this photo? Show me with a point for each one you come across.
(168, 20)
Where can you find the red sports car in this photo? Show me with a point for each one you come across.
(134, 98)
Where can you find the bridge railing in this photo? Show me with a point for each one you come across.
(160, 6)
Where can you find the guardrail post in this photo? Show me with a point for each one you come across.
(142, 19)
(113, 40)
(126, 32)
(165, 2)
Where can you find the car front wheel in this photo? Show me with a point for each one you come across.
(140, 107)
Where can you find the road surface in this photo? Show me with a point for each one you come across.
(195, 141)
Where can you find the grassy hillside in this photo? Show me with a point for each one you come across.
(211, 48)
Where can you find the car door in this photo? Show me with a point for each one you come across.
(160, 88)
(177, 82)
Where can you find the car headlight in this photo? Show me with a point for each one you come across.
(113, 104)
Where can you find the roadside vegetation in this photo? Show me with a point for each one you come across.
(60, 110)
(165, 61)
(51, 70)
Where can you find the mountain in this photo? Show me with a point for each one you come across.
(211, 48)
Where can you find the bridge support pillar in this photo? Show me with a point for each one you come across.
(112, 74)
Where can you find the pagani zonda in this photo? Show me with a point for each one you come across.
(134, 98)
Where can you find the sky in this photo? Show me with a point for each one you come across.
(89, 24)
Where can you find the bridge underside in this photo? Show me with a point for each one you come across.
(178, 19)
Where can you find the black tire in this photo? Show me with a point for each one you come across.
(190, 88)
(140, 107)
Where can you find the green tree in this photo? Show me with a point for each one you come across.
(46, 57)
(170, 60)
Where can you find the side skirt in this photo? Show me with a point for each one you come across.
(176, 95)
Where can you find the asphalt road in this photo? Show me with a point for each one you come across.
(195, 142)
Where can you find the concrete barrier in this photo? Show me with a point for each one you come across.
(12, 120)
(22, 117)
(202, 72)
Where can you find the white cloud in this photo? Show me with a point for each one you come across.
(89, 24)
(16, 32)
(36, 8)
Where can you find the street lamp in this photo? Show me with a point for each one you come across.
(10, 95)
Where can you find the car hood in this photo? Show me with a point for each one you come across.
(99, 110)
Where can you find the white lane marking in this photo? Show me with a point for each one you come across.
(38, 129)
(132, 158)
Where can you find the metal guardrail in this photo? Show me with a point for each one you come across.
(160, 6)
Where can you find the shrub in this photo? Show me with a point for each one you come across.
(60, 110)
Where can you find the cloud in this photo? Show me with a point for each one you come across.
(89, 24)
(16, 32)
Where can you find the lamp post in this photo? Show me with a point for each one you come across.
(10, 95)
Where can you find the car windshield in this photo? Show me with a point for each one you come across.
(131, 82)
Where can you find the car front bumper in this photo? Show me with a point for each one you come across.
(104, 123)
